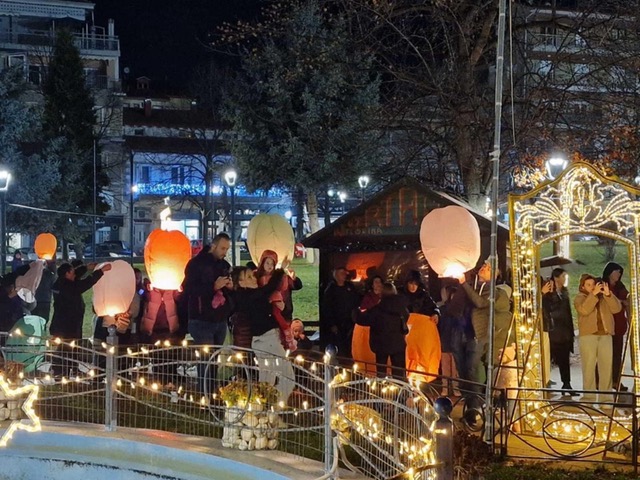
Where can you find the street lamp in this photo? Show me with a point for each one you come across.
(363, 181)
(134, 190)
(288, 215)
(555, 166)
(5, 178)
(230, 178)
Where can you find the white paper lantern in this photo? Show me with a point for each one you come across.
(270, 232)
(115, 290)
(27, 284)
(450, 239)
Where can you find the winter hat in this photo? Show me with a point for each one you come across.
(269, 254)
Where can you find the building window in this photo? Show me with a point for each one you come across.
(145, 174)
(177, 175)
(138, 132)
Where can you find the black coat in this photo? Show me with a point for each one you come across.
(388, 322)
(556, 310)
(337, 306)
(200, 274)
(253, 307)
(68, 305)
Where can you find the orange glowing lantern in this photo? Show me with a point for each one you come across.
(450, 239)
(113, 293)
(270, 232)
(45, 246)
(166, 254)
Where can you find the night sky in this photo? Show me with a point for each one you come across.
(163, 39)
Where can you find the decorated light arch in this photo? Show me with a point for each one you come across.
(580, 201)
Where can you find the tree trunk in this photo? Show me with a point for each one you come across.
(314, 223)
(300, 215)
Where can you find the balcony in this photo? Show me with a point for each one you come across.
(97, 45)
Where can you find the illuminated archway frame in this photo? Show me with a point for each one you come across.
(579, 201)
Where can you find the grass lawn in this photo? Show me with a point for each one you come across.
(305, 301)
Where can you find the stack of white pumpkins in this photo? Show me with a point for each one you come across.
(9, 409)
(252, 429)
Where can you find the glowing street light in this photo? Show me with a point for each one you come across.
(5, 179)
(555, 166)
(363, 181)
(230, 178)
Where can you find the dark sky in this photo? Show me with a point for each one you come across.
(162, 39)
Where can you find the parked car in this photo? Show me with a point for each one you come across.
(71, 252)
(111, 248)
(28, 254)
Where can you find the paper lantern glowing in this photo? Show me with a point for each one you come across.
(45, 246)
(450, 239)
(166, 254)
(270, 232)
(113, 293)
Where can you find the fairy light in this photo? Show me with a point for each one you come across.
(580, 201)
(33, 423)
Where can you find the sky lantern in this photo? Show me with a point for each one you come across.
(166, 254)
(45, 246)
(270, 232)
(450, 240)
(115, 290)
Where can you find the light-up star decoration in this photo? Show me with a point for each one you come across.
(32, 422)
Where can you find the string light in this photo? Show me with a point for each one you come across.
(33, 425)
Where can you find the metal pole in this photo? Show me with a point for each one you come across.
(329, 357)
(3, 232)
(131, 200)
(495, 159)
(233, 226)
(95, 205)
(110, 408)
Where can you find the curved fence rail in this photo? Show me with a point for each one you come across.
(309, 406)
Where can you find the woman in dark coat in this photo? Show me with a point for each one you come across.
(556, 310)
(388, 322)
(612, 274)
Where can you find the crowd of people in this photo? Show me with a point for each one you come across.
(411, 333)
(384, 330)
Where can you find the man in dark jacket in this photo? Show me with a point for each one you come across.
(68, 308)
(338, 303)
(206, 288)
(207, 278)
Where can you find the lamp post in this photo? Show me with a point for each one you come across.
(555, 166)
(230, 178)
(363, 181)
(5, 178)
(132, 197)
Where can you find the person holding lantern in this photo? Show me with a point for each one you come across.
(479, 297)
(253, 304)
(282, 296)
(68, 306)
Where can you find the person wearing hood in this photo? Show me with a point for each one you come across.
(612, 274)
(388, 326)
(596, 306)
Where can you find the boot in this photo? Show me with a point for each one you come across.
(567, 389)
